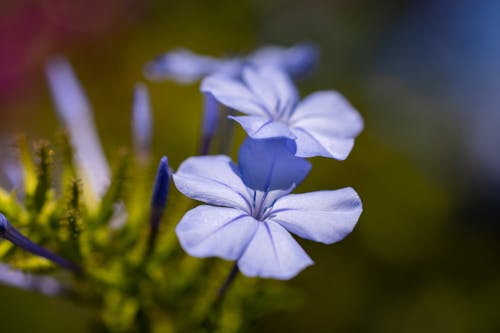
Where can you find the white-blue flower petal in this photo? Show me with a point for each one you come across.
(322, 216)
(310, 145)
(325, 124)
(271, 86)
(214, 180)
(328, 112)
(273, 253)
(208, 231)
(258, 127)
(233, 94)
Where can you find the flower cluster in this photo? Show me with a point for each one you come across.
(91, 227)
(252, 212)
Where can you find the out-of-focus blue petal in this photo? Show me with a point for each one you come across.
(322, 216)
(271, 164)
(74, 111)
(17, 278)
(181, 65)
(230, 67)
(184, 66)
(261, 127)
(208, 231)
(273, 253)
(234, 94)
(214, 180)
(141, 119)
(325, 124)
(296, 60)
(273, 87)
(66, 90)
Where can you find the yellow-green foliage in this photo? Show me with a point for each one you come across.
(130, 289)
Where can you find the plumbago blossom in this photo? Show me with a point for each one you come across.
(252, 212)
(184, 66)
(323, 124)
(114, 241)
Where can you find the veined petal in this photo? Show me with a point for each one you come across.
(233, 94)
(325, 125)
(327, 113)
(263, 201)
(273, 253)
(214, 180)
(310, 144)
(262, 88)
(271, 85)
(271, 164)
(263, 128)
(322, 216)
(208, 231)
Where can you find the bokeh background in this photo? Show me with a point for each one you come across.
(424, 74)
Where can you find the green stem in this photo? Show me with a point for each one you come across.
(227, 283)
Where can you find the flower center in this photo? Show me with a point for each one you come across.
(261, 205)
(283, 111)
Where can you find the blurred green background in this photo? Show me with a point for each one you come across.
(425, 77)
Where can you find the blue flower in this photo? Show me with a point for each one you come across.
(252, 212)
(184, 66)
(323, 124)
